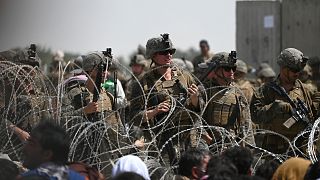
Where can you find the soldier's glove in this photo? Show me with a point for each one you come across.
(279, 106)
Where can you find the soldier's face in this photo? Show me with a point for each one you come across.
(290, 76)
(94, 72)
(227, 72)
(137, 69)
(163, 58)
(204, 48)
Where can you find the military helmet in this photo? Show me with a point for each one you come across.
(241, 66)
(91, 60)
(266, 73)
(221, 59)
(183, 64)
(7, 55)
(292, 58)
(158, 44)
(77, 65)
(27, 57)
(138, 59)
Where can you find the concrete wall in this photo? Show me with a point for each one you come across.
(296, 23)
(258, 31)
(301, 25)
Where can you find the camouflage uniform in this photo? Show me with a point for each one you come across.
(137, 59)
(245, 86)
(23, 103)
(227, 106)
(102, 127)
(154, 89)
(271, 110)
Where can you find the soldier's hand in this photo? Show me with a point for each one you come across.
(193, 91)
(162, 107)
(92, 107)
(279, 106)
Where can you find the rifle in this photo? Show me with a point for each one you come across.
(299, 109)
(115, 74)
(98, 80)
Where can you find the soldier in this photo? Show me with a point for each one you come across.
(274, 104)
(265, 74)
(205, 56)
(245, 86)
(88, 107)
(137, 64)
(23, 102)
(226, 106)
(162, 96)
(306, 76)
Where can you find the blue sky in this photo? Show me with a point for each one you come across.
(82, 25)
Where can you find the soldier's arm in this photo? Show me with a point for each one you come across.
(189, 104)
(261, 112)
(136, 109)
(68, 108)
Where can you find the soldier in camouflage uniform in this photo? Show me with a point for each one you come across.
(137, 64)
(162, 96)
(245, 85)
(306, 76)
(227, 106)
(271, 109)
(23, 102)
(97, 118)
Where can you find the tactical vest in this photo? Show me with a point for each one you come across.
(226, 108)
(82, 97)
(162, 90)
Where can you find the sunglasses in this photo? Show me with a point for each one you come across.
(228, 69)
(295, 70)
(166, 52)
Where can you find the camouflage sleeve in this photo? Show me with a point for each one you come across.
(189, 105)
(68, 108)
(314, 101)
(260, 110)
(137, 102)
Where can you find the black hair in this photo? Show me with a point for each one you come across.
(221, 169)
(247, 177)
(34, 177)
(128, 176)
(267, 169)
(53, 137)
(190, 158)
(241, 157)
(8, 170)
(205, 42)
(313, 171)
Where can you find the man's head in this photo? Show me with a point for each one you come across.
(160, 50)
(241, 157)
(241, 70)
(193, 163)
(224, 67)
(137, 64)
(204, 47)
(93, 61)
(291, 62)
(48, 142)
